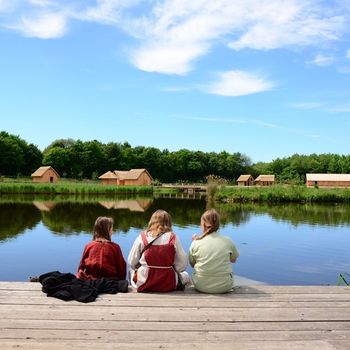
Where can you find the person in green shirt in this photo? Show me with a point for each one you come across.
(211, 256)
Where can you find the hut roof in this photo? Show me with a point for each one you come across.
(132, 174)
(132, 205)
(108, 175)
(42, 170)
(270, 178)
(244, 177)
(327, 177)
(44, 206)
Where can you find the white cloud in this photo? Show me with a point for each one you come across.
(165, 58)
(322, 60)
(175, 26)
(299, 27)
(238, 83)
(172, 34)
(348, 53)
(109, 12)
(45, 26)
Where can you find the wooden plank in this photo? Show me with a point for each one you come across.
(172, 326)
(184, 303)
(171, 336)
(190, 345)
(89, 312)
(255, 317)
(260, 289)
(16, 294)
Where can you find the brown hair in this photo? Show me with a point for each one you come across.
(210, 220)
(102, 228)
(160, 222)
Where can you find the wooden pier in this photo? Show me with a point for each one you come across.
(254, 317)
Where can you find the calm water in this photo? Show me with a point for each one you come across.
(289, 244)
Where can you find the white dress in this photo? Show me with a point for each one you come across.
(135, 259)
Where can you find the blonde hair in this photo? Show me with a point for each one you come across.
(102, 228)
(210, 220)
(160, 222)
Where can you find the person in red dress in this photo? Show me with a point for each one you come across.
(102, 257)
(157, 259)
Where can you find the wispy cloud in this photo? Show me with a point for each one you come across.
(171, 35)
(41, 3)
(323, 106)
(43, 26)
(254, 122)
(213, 119)
(345, 108)
(307, 105)
(348, 54)
(322, 60)
(238, 83)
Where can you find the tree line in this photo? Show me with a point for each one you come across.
(88, 159)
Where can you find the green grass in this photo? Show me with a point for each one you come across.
(283, 194)
(70, 187)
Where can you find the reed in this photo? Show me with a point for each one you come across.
(70, 188)
(283, 194)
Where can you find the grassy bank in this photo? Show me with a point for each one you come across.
(66, 187)
(283, 194)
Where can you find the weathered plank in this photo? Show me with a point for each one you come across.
(255, 317)
(190, 345)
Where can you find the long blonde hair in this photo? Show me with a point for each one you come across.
(160, 222)
(102, 228)
(210, 222)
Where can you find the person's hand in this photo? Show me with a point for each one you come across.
(194, 237)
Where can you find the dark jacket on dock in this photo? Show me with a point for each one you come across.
(66, 286)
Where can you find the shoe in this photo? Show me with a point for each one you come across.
(33, 279)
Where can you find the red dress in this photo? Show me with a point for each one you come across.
(160, 259)
(102, 259)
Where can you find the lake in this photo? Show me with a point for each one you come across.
(295, 244)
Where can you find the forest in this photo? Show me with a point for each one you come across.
(76, 159)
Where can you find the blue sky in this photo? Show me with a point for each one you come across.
(264, 78)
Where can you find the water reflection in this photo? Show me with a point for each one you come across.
(40, 234)
(138, 205)
(71, 215)
(295, 214)
(17, 217)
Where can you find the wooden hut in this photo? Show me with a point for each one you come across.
(45, 174)
(134, 177)
(328, 180)
(265, 180)
(109, 178)
(245, 180)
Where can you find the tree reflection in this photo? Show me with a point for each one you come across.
(67, 217)
(16, 218)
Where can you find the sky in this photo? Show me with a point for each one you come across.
(265, 78)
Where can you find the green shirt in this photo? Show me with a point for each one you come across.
(211, 258)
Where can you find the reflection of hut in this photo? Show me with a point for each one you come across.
(139, 205)
(133, 177)
(44, 206)
(265, 180)
(245, 180)
(328, 180)
(109, 178)
(45, 174)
